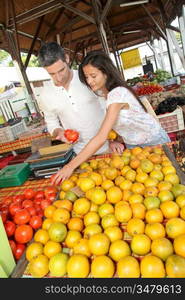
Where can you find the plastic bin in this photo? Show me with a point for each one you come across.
(14, 175)
(172, 122)
(18, 128)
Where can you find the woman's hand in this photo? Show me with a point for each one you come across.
(62, 174)
(116, 147)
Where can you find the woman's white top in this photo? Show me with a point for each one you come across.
(134, 124)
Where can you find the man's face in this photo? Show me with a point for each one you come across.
(60, 72)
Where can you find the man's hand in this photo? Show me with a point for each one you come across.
(116, 147)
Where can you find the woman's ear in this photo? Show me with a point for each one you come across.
(67, 58)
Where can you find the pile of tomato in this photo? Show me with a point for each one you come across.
(147, 89)
(23, 214)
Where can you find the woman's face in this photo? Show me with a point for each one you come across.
(95, 78)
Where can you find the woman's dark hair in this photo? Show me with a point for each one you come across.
(103, 62)
(49, 53)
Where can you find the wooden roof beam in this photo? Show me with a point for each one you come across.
(53, 26)
(106, 10)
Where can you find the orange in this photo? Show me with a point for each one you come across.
(102, 267)
(119, 249)
(111, 173)
(134, 163)
(125, 169)
(151, 202)
(84, 165)
(179, 245)
(155, 231)
(73, 178)
(138, 188)
(152, 267)
(170, 209)
(49, 210)
(106, 184)
(78, 266)
(135, 226)
(151, 191)
(66, 185)
(88, 194)
(135, 198)
(126, 194)
(57, 265)
(116, 162)
(105, 209)
(125, 159)
(128, 267)
(114, 233)
(140, 244)
(38, 266)
(173, 178)
(180, 200)
(168, 170)
(47, 223)
(175, 266)
(141, 156)
(130, 175)
(61, 215)
(157, 174)
(97, 178)
(182, 212)
(33, 250)
(51, 248)
(126, 185)
(81, 206)
(94, 164)
(91, 230)
(175, 227)
(150, 182)
(162, 248)
(57, 232)
(126, 152)
(94, 207)
(138, 210)
(141, 177)
(67, 204)
(165, 196)
(91, 218)
(99, 244)
(98, 196)
(109, 220)
(86, 184)
(119, 180)
(123, 213)
(178, 189)
(157, 149)
(120, 203)
(164, 186)
(112, 135)
(62, 195)
(72, 238)
(41, 236)
(82, 247)
(155, 158)
(154, 215)
(75, 223)
(146, 165)
(114, 194)
(136, 150)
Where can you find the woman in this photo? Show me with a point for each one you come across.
(124, 111)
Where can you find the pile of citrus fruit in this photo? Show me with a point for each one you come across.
(120, 216)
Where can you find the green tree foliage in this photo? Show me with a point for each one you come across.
(6, 60)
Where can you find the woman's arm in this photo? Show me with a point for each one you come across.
(94, 144)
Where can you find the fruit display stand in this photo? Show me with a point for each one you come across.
(21, 269)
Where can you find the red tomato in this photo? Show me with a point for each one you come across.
(37, 201)
(4, 208)
(50, 190)
(39, 195)
(7, 200)
(19, 251)
(36, 222)
(27, 203)
(32, 210)
(71, 135)
(18, 198)
(29, 193)
(12, 245)
(40, 213)
(51, 197)
(23, 233)
(4, 216)
(22, 216)
(9, 228)
(14, 207)
(45, 203)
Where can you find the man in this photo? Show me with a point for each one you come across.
(66, 102)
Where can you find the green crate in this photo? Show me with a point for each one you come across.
(14, 175)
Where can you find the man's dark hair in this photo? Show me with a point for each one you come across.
(50, 53)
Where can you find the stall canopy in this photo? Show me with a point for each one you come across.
(83, 25)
